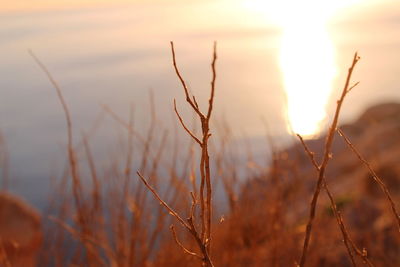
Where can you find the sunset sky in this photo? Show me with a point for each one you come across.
(282, 61)
(48, 4)
(43, 4)
(302, 34)
(205, 102)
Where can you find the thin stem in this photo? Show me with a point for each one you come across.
(325, 160)
(376, 178)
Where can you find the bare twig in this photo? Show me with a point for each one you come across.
(184, 126)
(193, 102)
(203, 238)
(189, 225)
(96, 192)
(325, 160)
(351, 87)
(77, 191)
(180, 244)
(162, 202)
(214, 77)
(205, 183)
(376, 178)
(310, 154)
(346, 237)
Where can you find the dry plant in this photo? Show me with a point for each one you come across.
(349, 243)
(109, 222)
(321, 183)
(203, 236)
(115, 223)
(82, 213)
(321, 171)
(376, 178)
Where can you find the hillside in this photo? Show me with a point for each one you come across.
(267, 225)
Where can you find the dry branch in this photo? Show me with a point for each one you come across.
(339, 218)
(203, 238)
(376, 178)
(205, 183)
(325, 160)
(180, 244)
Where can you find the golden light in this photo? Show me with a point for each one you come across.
(307, 57)
(307, 63)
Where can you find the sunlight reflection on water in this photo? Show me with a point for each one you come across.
(308, 66)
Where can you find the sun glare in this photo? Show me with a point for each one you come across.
(307, 57)
(307, 63)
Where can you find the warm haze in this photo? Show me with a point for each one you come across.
(102, 119)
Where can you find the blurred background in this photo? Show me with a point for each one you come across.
(281, 65)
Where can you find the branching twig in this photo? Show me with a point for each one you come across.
(184, 126)
(193, 102)
(189, 225)
(203, 238)
(162, 202)
(325, 160)
(376, 178)
(180, 244)
(76, 183)
(205, 183)
(346, 237)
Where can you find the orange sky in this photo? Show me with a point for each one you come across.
(12, 5)
(7, 5)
